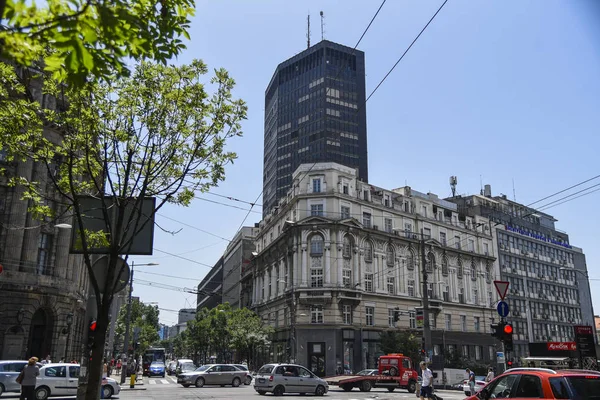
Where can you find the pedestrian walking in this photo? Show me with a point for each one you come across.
(490, 375)
(27, 379)
(471, 381)
(427, 383)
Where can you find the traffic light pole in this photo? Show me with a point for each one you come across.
(127, 327)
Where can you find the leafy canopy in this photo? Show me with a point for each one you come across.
(79, 39)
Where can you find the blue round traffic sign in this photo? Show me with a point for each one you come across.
(502, 309)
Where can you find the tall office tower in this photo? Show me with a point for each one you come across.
(314, 112)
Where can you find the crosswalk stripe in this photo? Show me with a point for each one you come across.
(166, 382)
(152, 382)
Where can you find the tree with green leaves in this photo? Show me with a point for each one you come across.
(158, 133)
(144, 320)
(401, 341)
(79, 40)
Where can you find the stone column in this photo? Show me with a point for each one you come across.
(327, 263)
(356, 274)
(274, 282)
(340, 265)
(31, 237)
(304, 281)
(17, 219)
(62, 260)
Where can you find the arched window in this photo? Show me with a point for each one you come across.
(368, 252)
(459, 269)
(488, 272)
(444, 266)
(316, 261)
(473, 271)
(430, 262)
(347, 247)
(389, 255)
(316, 245)
(410, 261)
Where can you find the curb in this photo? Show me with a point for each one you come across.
(127, 389)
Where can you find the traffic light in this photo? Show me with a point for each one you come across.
(91, 339)
(507, 338)
(497, 331)
(509, 364)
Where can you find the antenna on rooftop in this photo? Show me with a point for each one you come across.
(308, 31)
(514, 192)
(322, 26)
(453, 182)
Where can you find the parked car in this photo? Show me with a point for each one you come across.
(184, 365)
(542, 383)
(61, 379)
(479, 384)
(172, 367)
(242, 367)
(288, 378)
(368, 372)
(157, 368)
(9, 371)
(213, 374)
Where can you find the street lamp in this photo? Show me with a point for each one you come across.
(128, 323)
(584, 273)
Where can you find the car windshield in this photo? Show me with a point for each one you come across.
(157, 364)
(242, 367)
(585, 387)
(265, 369)
(203, 368)
(480, 378)
(187, 366)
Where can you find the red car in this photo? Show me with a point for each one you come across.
(542, 383)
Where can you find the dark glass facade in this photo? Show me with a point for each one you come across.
(314, 112)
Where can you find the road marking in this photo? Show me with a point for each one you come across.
(164, 381)
(152, 382)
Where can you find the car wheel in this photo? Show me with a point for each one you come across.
(163, 375)
(278, 391)
(393, 371)
(390, 389)
(1, 389)
(261, 392)
(248, 380)
(107, 391)
(412, 387)
(467, 394)
(236, 382)
(199, 382)
(347, 387)
(186, 385)
(42, 393)
(320, 390)
(365, 386)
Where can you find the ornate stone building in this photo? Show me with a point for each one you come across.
(339, 257)
(43, 289)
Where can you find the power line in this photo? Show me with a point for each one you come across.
(570, 195)
(193, 227)
(403, 54)
(226, 205)
(169, 276)
(234, 199)
(184, 258)
(564, 190)
(566, 201)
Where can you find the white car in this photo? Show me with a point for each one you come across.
(479, 384)
(61, 379)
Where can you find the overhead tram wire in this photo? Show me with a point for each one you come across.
(193, 227)
(570, 195)
(564, 190)
(184, 258)
(566, 201)
(170, 276)
(234, 199)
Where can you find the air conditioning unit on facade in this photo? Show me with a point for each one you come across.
(375, 227)
(514, 270)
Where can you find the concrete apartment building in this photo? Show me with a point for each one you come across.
(339, 256)
(549, 289)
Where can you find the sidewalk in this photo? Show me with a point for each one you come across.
(139, 384)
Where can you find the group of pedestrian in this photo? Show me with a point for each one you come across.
(427, 380)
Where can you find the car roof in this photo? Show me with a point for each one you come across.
(60, 365)
(548, 371)
(12, 361)
(185, 360)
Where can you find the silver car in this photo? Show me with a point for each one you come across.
(288, 378)
(9, 371)
(213, 374)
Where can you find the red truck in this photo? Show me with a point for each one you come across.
(395, 371)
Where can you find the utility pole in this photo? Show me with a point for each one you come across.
(426, 325)
(126, 340)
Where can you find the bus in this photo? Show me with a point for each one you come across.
(151, 355)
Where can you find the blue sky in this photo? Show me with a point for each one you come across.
(492, 90)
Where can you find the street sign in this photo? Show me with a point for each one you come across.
(502, 309)
(561, 346)
(501, 288)
(500, 357)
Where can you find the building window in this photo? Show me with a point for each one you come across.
(316, 210)
(44, 253)
(432, 321)
(344, 212)
(412, 320)
(465, 351)
(424, 210)
(443, 238)
(444, 266)
(430, 263)
(347, 248)
(475, 296)
(471, 245)
(477, 324)
(492, 351)
(486, 249)
(448, 322)
(316, 277)
(408, 230)
(459, 269)
(391, 285)
(386, 200)
(368, 282)
(316, 314)
(387, 223)
(368, 252)
(426, 233)
(367, 220)
(436, 350)
(391, 318)
(316, 245)
(410, 261)
(346, 188)
(473, 271)
(446, 293)
(347, 314)
(316, 184)
(461, 295)
(478, 351)
(347, 277)
(457, 242)
(463, 323)
(369, 314)
(411, 287)
(389, 256)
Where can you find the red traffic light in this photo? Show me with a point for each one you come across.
(93, 326)
(508, 329)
